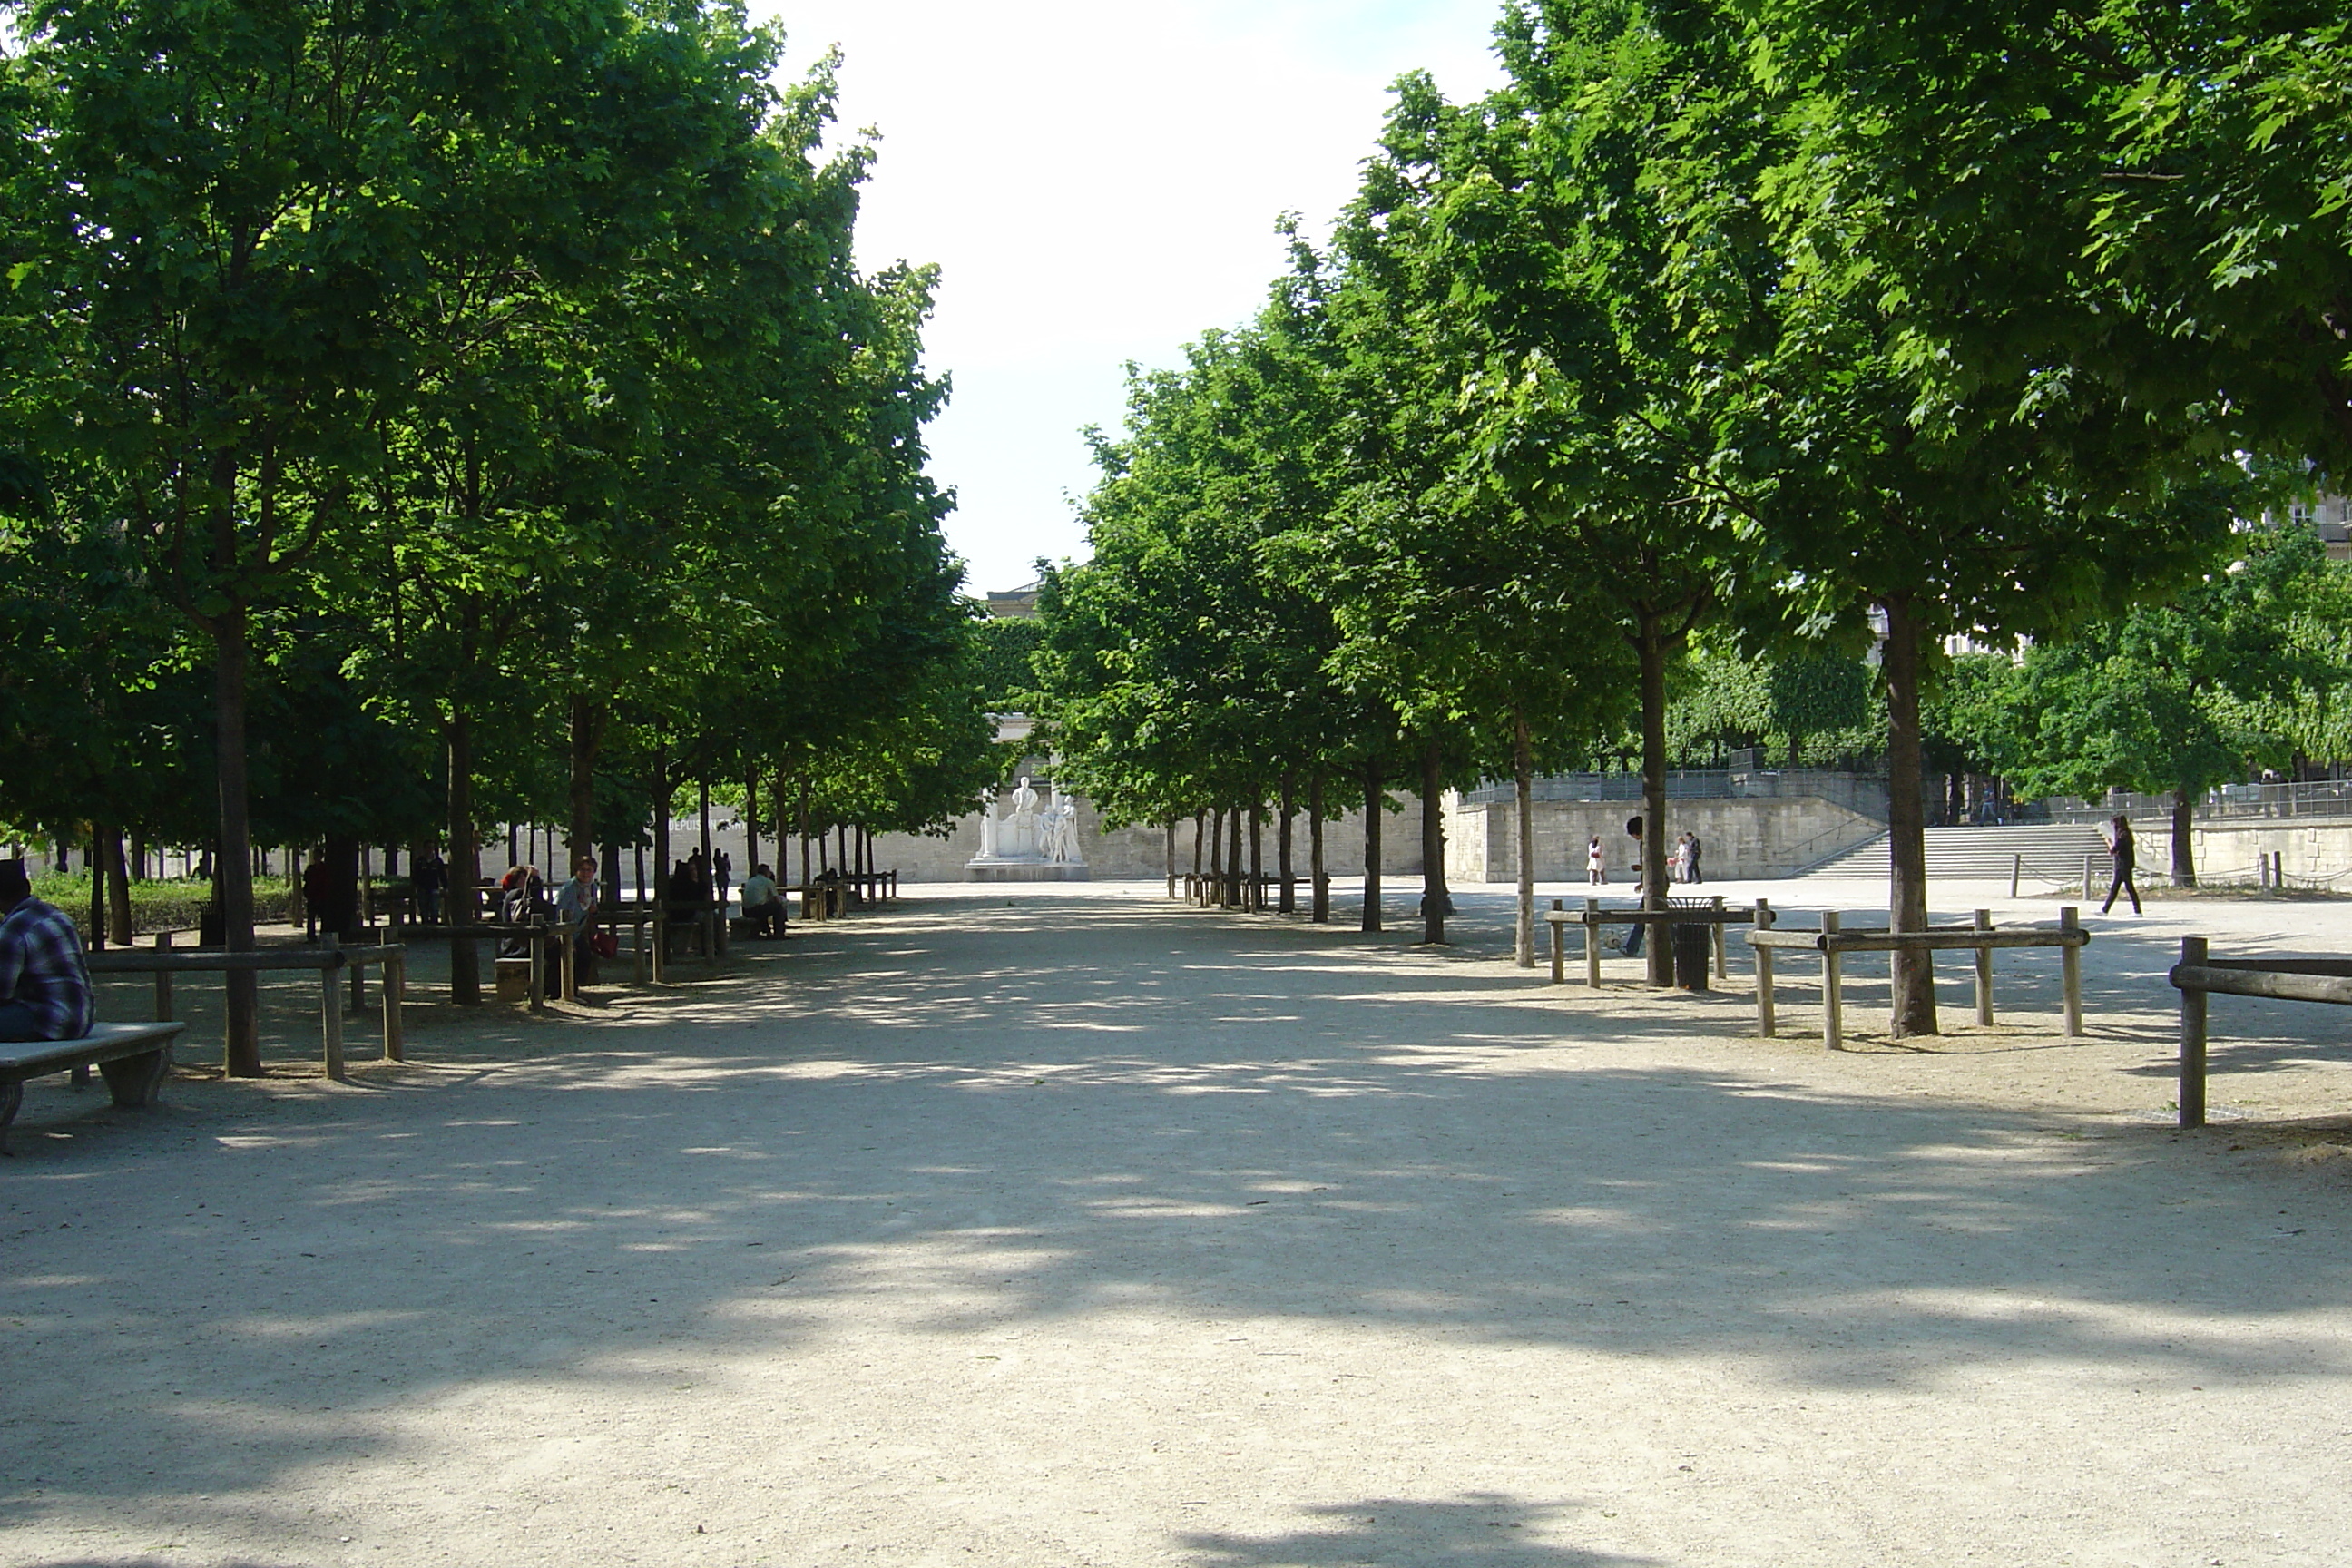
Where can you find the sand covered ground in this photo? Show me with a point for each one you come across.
(1078, 1228)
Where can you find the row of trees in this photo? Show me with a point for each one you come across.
(1797, 326)
(428, 415)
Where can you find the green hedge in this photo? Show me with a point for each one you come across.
(162, 906)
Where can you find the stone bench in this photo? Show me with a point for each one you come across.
(134, 1057)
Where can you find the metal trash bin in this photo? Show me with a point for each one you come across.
(1693, 946)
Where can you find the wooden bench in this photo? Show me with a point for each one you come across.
(740, 925)
(1710, 911)
(329, 961)
(134, 1057)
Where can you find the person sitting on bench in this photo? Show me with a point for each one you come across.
(761, 905)
(518, 900)
(43, 985)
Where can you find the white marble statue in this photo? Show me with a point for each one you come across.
(1025, 801)
(1029, 843)
(1020, 835)
(1059, 838)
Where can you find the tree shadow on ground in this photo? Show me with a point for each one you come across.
(1480, 1531)
(958, 1120)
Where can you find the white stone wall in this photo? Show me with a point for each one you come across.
(1737, 838)
(2317, 851)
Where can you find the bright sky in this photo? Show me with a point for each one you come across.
(1100, 183)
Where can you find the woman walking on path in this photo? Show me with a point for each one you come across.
(2125, 855)
(1596, 863)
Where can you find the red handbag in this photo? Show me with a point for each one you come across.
(604, 944)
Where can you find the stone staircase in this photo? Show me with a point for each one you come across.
(2054, 853)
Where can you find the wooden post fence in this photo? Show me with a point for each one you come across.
(1833, 940)
(2199, 974)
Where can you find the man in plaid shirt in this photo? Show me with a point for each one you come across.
(43, 985)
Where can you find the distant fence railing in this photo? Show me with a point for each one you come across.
(2247, 801)
(1858, 792)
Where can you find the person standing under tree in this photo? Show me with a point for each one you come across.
(431, 879)
(1633, 824)
(575, 906)
(1690, 859)
(1596, 863)
(2126, 856)
(318, 887)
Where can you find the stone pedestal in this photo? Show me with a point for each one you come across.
(978, 870)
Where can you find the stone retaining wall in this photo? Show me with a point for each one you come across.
(1739, 837)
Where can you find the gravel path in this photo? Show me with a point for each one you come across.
(1084, 1228)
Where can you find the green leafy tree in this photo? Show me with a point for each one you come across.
(2179, 697)
(269, 207)
(1598, 216)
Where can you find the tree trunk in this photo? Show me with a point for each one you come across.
(1523, 776)
(587, 739)
(750, 820)
(804, 833)
(118, 887)
(1199, 821)
(1285, 901)
(2184, 838)
(1233, 858)
(233, 861)
(1254, 900)
(97, 927)
(783, 870)
(662, 791)
(702, 805)
(1170, 845)
(464, 864)
(1217, 855)
(1433, 895)
(1375, 797)
(1907, 826)
(1318, 884)
(1651, 647)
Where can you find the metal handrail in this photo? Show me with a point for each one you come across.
(2243, 802)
